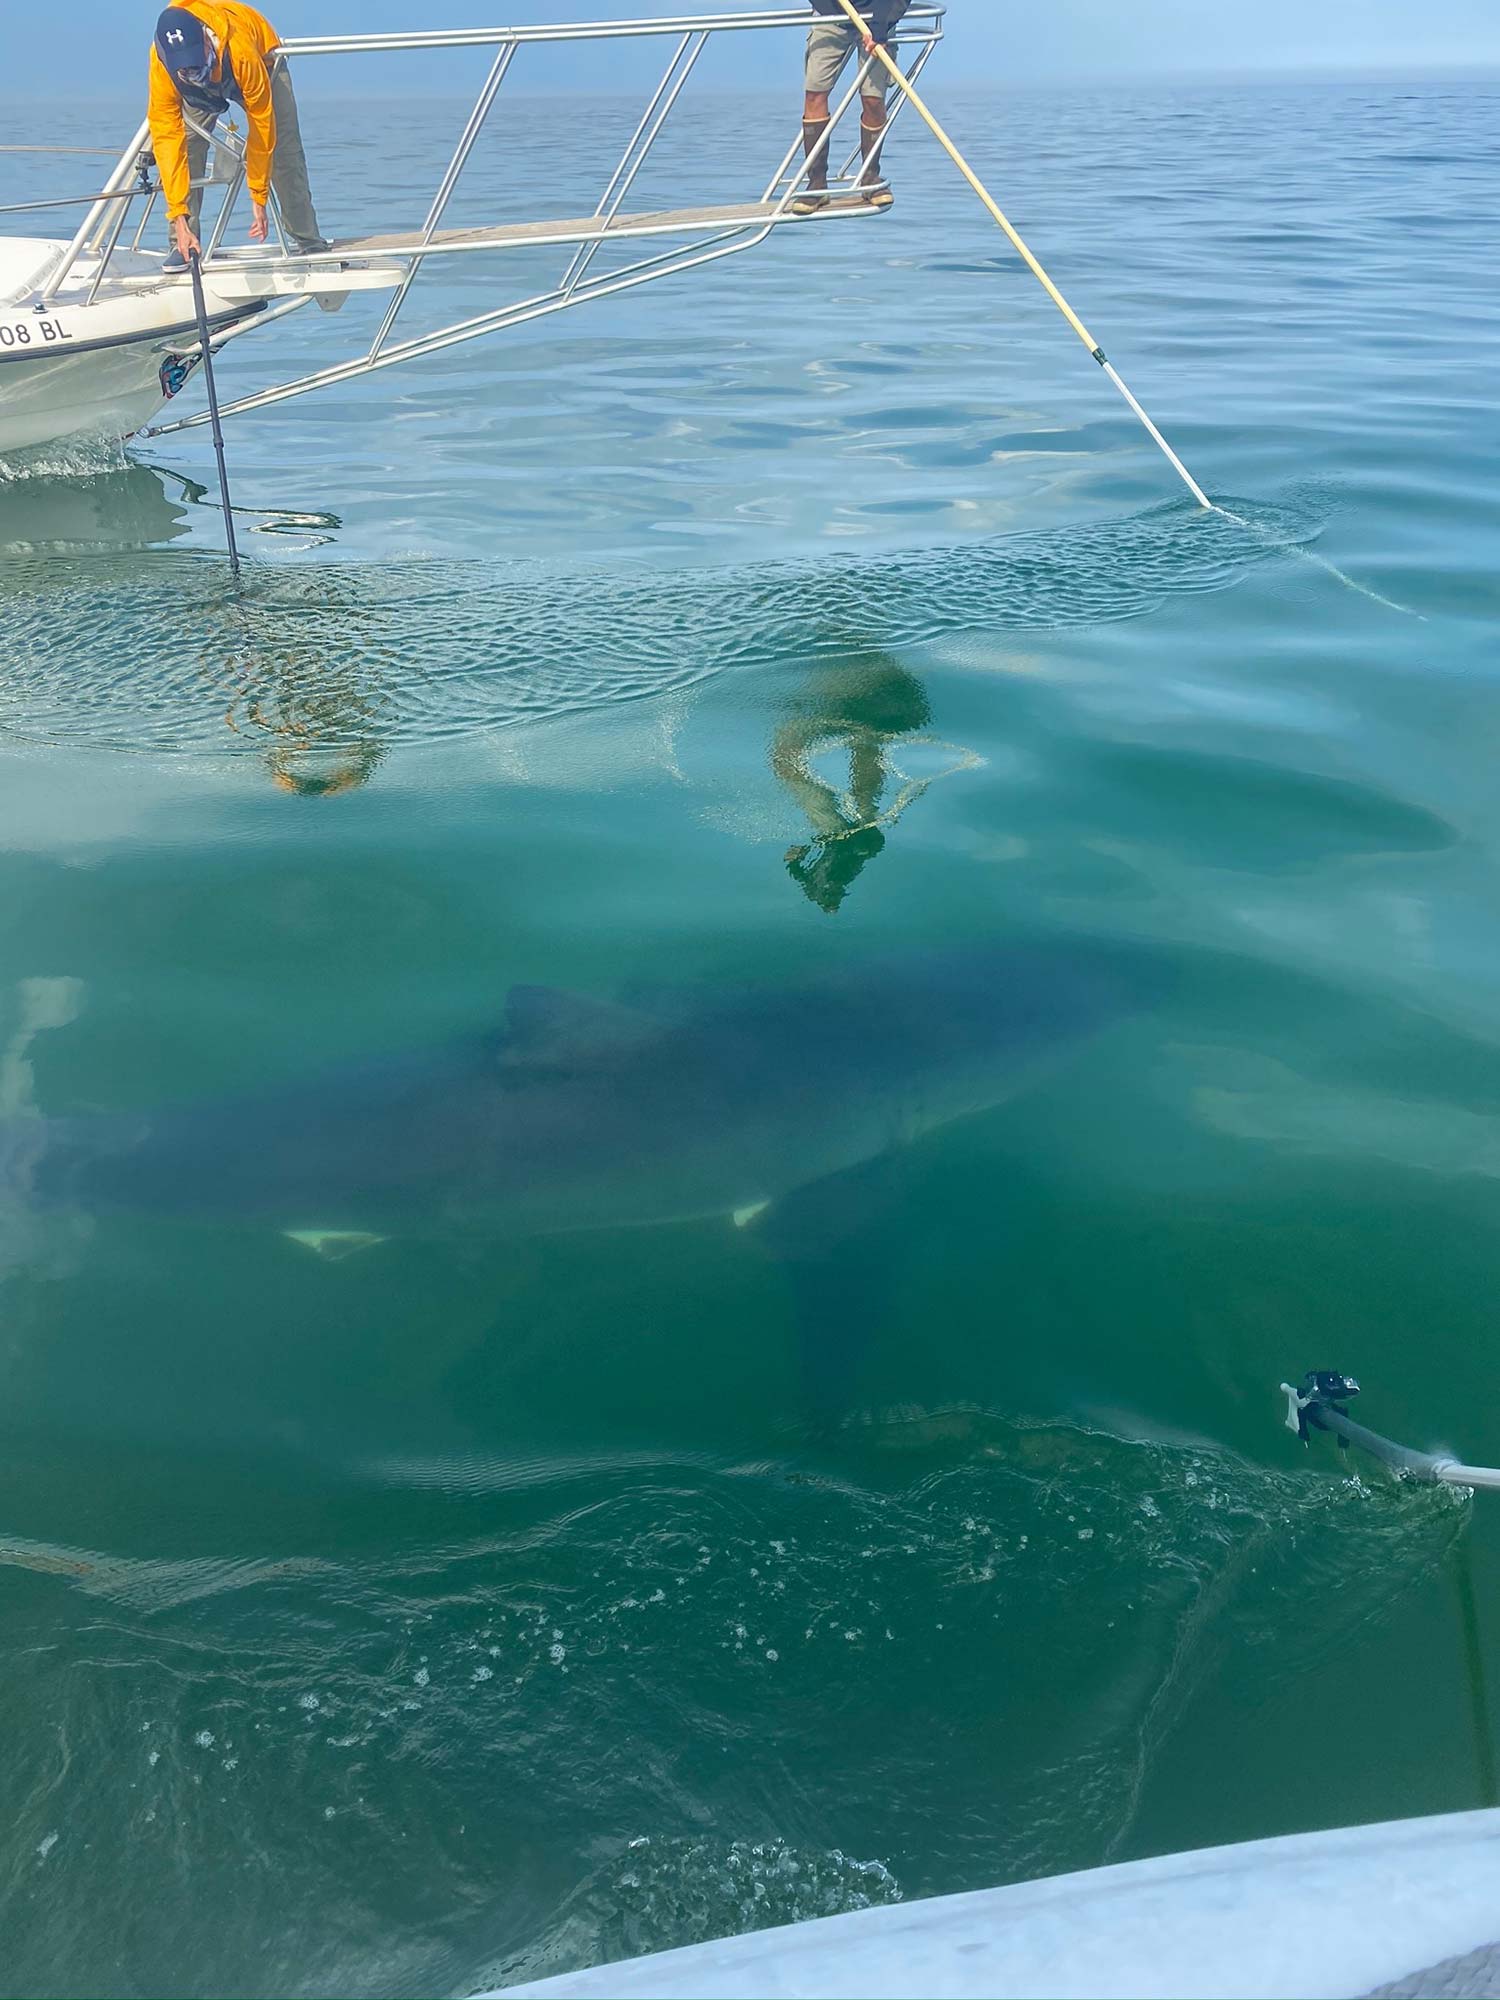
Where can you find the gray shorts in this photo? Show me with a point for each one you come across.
(829, 46)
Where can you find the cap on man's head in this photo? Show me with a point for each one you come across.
(182, 41)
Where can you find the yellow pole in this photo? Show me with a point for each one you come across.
(914, 98)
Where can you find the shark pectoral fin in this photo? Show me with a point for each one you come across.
(743, 1217)
(333, 1245)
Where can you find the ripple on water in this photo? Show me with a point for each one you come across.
(148, 653)
(694, 1890)
(586, 1691)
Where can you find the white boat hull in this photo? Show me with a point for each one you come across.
(72, 370)
(55, 398)
(1413, 1905)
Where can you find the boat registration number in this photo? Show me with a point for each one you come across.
(35, 332)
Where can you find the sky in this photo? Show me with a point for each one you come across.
(988, 39)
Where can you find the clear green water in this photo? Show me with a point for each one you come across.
(490, 1603)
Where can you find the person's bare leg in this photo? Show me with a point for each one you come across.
(791, 751)
(814, 133)
(871, 140)
(867, 773)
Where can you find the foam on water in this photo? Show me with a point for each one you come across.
(694, 1889)
(636, 1674)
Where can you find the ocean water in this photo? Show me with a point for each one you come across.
(496, 1601)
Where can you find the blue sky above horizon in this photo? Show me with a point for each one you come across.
(988, 40)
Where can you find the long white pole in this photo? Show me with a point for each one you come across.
(914, 98)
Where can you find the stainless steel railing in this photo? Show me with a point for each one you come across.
(102, 226)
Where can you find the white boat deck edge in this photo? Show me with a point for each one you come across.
(1409, 1906)
(587, 229)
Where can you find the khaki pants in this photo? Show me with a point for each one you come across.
(288, 165)
(830, 44)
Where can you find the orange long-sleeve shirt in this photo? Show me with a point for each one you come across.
(248, 39)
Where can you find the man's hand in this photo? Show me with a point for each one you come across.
(869, 45)
(187, 243)
(257, 222)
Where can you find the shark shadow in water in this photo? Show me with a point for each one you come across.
(767, 1104)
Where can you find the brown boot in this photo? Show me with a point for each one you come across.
(871, 186)
(815, 196)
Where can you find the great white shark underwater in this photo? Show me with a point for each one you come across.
(574, 1113)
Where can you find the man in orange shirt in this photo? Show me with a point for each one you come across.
(207, 55)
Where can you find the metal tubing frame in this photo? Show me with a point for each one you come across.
(146, 214)
(472, 129)
(126, 195)
(788, 177)
(665, 264)
(233, 188)
(279, 311)
(113, 203)
(927, 16)
(784, 189)
(923, 26)
(231, 192)
(913, 75)
(819, 152)
(226, 209)
(107, 250)
(118, 179)
(928, 11)
(621, 181)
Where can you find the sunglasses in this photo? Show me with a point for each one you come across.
(199, 75)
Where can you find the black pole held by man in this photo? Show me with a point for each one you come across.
(201, 309)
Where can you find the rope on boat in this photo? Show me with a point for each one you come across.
(1322, 1403)
(898, 76)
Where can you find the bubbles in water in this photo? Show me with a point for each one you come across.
(660, 1893)
(977, 1634)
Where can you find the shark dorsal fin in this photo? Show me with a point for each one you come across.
(546, 1026)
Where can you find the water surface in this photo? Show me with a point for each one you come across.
(469, 1609)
